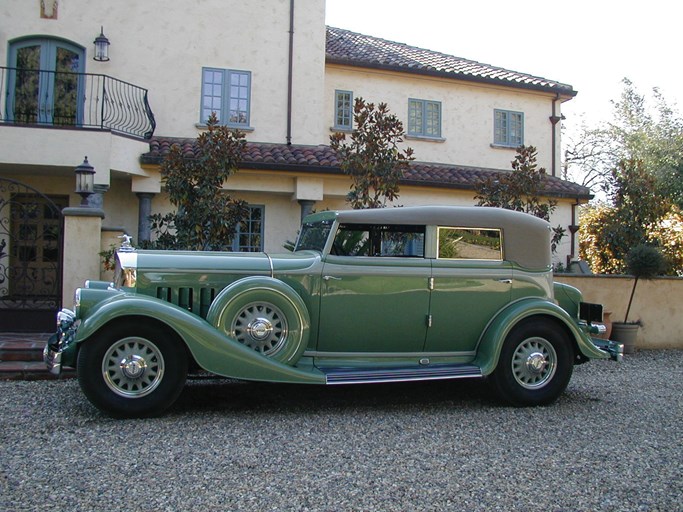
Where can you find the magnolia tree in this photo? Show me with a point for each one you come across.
(206, 217)
(521, 190)
(372, 157)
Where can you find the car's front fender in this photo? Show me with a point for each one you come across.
(213, 350)
(497, 331)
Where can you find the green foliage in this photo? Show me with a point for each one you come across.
(521, 190)
(643, 262)
(636, 216)
(372, 158)
(206, 217)
(638, 131)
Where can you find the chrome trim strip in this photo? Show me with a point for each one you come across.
(385, 355)
(376, 375)
(270, 262)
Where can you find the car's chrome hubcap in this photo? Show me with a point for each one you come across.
(534, 363)
(133, 367)
(260, 326)
(260, 329)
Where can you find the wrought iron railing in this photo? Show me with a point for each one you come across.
(80, 100)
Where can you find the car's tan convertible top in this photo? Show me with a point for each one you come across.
(526, 238)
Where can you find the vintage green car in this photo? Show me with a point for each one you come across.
(385, 295)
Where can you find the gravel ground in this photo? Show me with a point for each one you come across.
(612, 442)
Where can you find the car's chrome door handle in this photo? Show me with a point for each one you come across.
(505, 281)
(332, 278)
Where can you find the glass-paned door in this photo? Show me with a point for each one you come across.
(46, 86)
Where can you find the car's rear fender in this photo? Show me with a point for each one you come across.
(491, 341)
(211, 349)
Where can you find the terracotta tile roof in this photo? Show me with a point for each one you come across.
(323, 160)
(351, 48)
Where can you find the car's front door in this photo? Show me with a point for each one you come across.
(375, 291)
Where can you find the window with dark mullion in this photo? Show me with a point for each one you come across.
(508, 128)
(226, 92)
(249, 235)
(424, 118)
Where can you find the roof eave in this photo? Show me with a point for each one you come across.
(564, 91)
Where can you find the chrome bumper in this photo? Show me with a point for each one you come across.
(613, 348)
(53, 360)
(59, 341)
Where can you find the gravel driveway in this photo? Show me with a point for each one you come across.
(612, 442)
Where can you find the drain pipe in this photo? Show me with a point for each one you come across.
(554, 119)
(289, 76)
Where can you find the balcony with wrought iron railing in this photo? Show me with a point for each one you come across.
(74, 100)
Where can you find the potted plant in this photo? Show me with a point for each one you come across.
(642, 262)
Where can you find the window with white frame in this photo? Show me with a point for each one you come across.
(249, 235)
(226, 92)
(343, 110)
(508, 128)
(424, 118)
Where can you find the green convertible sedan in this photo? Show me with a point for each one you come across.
(386, 295)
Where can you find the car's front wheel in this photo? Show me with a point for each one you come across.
(132, 370)
(535, 364)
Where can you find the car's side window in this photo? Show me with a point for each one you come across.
(470, 244)
(379, 240)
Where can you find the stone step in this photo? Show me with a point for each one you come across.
(21, 350)
(32, 370)
(21, 357)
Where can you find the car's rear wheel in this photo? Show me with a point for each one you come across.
(132, 370)
(535, 364)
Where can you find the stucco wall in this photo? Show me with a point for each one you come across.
(160, 47)
(467, 114)
(656, 303)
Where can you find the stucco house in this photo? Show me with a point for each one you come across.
(268, 67)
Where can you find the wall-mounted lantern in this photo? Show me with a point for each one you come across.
(85, 181)
(101, 47)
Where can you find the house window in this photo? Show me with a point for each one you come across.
(343, 110)
(508, 128)
(424, 118)
(249, 235)
(227, 93)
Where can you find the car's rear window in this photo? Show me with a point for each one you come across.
(470, 244)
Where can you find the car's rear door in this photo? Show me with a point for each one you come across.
(471, 283)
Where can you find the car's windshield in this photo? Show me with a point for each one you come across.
(314, 235)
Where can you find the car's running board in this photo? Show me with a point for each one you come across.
(400, 374)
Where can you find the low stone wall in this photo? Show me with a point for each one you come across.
(658, 304)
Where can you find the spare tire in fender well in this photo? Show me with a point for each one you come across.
(265, 314)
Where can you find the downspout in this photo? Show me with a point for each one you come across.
(554, 119)
(290, 72)
(573, 228)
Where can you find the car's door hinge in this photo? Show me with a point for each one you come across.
(430, 283)
(429, 320)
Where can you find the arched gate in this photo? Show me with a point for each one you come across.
(31, 235)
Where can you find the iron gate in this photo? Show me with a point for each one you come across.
(31, 235)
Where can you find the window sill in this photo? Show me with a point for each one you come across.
(425, 138)
(203, 126)
(503, 146)
(341, 129)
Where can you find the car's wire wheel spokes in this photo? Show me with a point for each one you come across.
(534, 363)
(260, 326)
(133, 367)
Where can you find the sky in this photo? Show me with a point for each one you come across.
(590, 45)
